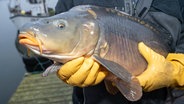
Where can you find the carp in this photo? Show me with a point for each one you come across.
(107, 35)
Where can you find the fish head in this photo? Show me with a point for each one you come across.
(62, 37)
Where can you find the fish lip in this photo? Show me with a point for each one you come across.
(24, 34)
(33, 37)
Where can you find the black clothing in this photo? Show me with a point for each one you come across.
(98, 95)
(166, 15)
(36, 64)
(171, 7)
(63, 6)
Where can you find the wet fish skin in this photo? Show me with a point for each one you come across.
(109, 36)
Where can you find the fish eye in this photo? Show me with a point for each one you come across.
(61, 26)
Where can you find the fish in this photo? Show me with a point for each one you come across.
(107, 35)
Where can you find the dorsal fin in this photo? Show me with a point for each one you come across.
(90, 11)
(135, 19)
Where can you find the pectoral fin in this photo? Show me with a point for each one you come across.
(53, 68)
(124, 81)
(114, 68)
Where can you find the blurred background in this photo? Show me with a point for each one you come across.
(11, 65)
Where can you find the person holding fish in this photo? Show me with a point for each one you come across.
(123, 51)
(161, 71)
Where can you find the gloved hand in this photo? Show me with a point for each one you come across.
(161, 72)
(82, 72)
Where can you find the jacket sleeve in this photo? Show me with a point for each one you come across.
(63, 6)
(180, 42)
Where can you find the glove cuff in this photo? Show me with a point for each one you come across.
(177, 60)
(176, 57)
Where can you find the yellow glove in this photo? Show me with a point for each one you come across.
(161, 72)
(82, 72)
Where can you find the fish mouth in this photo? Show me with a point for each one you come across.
(29, 39)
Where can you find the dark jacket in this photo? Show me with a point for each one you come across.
(167, 15)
